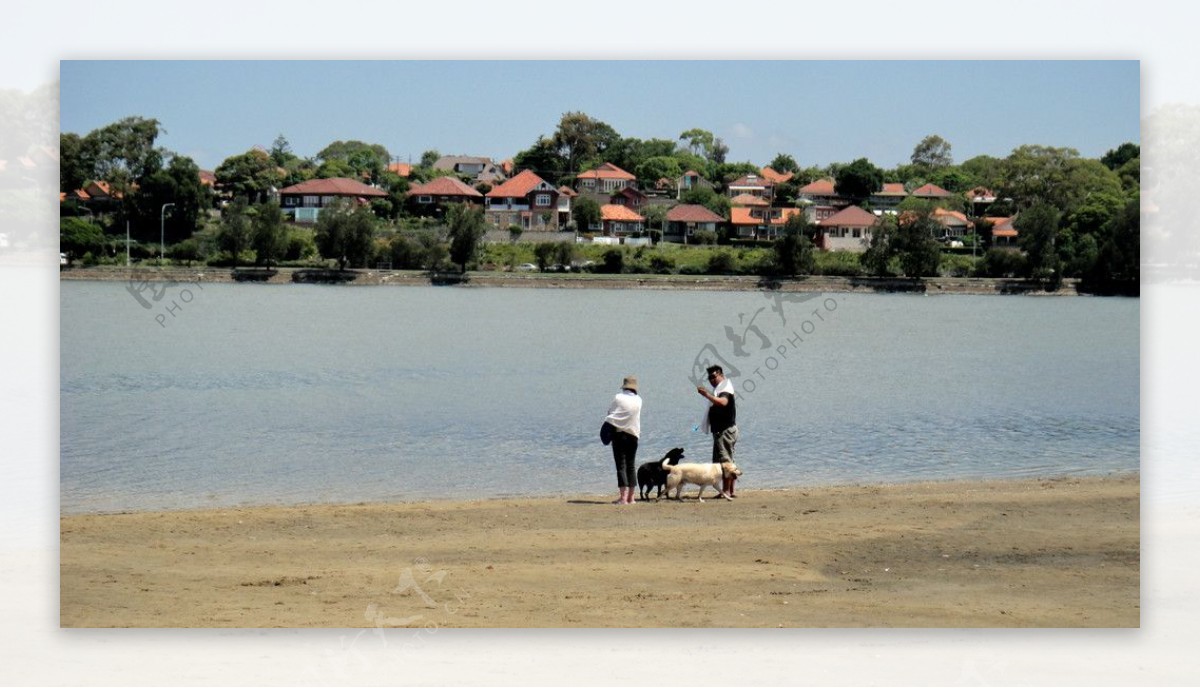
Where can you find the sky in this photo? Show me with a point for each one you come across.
(819, 112)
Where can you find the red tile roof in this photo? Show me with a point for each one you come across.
(942, 212)
(517, 187)
(892, 189)
(743, 216)
(606, 171)
(931, 190)
(444, 186)
(692, 213)
(821, 187)
(336, 186)
(619, 213)
(401, 168)
(751, 181)
(567, 191)
(850, 216)
(748, 199)
(776, 177)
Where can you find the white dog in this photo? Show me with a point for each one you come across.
(702, 474)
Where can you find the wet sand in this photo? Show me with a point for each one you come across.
(1031, 553)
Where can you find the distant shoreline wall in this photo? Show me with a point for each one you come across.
(932, 285)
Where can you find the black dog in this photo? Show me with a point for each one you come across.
(651, 474)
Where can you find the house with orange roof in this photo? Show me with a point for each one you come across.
(748, 200)
(754, 185)
(956, 225)
(774, 177)
(431, 197)
(932, 192)
(759, 224)
(618, 220)
(1004, 234)
(400, 169)
(526, 200)
(685, 220)
(850, 229)
(889, 197)
(607, 178)
(565, 196)
(303, 202)
(820, 192)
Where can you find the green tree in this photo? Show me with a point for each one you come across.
(1116, 158)
(586, 213)
(543, 253)
(345, 233)
(268, 233)
(78, 236)
(652, 169)
(915, 246)
(467, 227)
(357, 158)
(177, 183)
(250, 175)
(793, 249)
(784, 163)
(429, 157)
(124, 151)
(76, 162)
(564, 253)
(699, 141)
(544, 159)
(281, 152)
(859, 180)
(234, 233)
(1037, 230)
(932, 153)
(707, 197)
(580, 138)
(877, 259)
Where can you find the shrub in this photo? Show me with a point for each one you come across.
(613, 261)
(998, 262)
(662, 265)
(721, 263)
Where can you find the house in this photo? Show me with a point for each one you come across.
(629, 196)
(889, 197)
(690, 180)
(565, 196)
(816, 213)
(748, 200)
(955, 224)
(849, 229)
(425, 198)
(1004, 234)
(303, 202)
(760, 223)
(820, 192)
(208, 179)
(400, 169)
(479, 170)
(932, 192)
(685, 220)
(526, 200)
(776, 177)
(607, 178)
(980, 199)
(616, 220)
(754, 185)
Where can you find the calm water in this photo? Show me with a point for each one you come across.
(256, 394)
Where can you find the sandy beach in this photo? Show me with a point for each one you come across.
(1031, 553)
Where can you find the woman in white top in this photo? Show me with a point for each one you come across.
(625, 416)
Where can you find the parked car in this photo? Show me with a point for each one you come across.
(526, 267)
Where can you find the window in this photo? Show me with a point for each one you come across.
(424, 199)
(312, 201)
(542, 200)
(290, 200)
(857, 234)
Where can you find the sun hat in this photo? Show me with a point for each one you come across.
(630, 383)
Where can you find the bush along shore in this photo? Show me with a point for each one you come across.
(567, 280)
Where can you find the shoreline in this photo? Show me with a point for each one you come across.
(1041, 552)
(810, 284)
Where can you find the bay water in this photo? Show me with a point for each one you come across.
(185, 396)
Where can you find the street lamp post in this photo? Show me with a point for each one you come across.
(162, 231)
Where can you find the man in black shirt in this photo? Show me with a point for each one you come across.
(721, 419)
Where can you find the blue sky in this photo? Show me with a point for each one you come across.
(819, 112)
